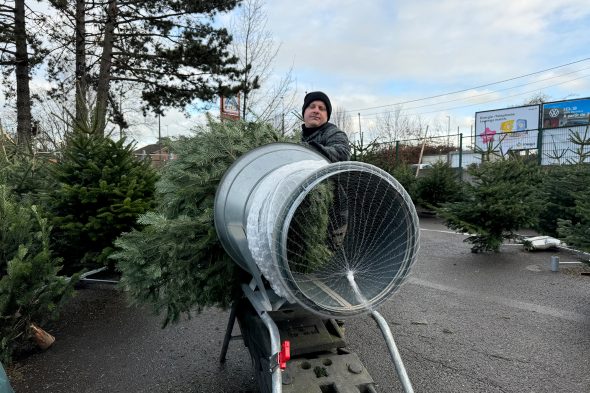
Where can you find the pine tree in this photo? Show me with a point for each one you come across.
(407, 178)
(171, 50)
(102, 189)
(20, 52)
(501, 199)
(176, 262)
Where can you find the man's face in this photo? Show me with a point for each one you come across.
(315, 114)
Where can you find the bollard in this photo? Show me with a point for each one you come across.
(554, 263)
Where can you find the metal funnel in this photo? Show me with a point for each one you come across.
(309, 226)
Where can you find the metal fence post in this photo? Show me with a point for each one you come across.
(396, 152)
(540, 146)
(461, 156)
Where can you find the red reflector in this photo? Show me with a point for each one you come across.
(285, 354)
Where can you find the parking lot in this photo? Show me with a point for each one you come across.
(463, 323)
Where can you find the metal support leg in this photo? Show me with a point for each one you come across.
(261, 308)
(275, 346)
(230, 327)
(395, 356)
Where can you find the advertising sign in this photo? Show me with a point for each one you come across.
(507, 129)
(230, 107)
(571, 113)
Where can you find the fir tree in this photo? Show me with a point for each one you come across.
(439, 185)
(308, 241)
(575, 230)
(407, 178)
(176, 262)
(559, 186)
(501, 200)
(30, 289)
(24, 174)
(102, 189)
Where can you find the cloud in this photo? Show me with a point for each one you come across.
(430, 39)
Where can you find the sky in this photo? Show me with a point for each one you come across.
(376, 53)
(370, 56)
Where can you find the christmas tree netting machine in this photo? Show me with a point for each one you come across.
(336, 238)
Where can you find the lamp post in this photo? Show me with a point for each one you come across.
(361, 135)
(448, 131)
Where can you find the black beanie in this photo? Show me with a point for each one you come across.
(317, 96)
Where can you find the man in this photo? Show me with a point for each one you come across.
(318, 133)
(331, 142)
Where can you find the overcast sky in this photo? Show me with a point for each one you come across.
(373, 53)
(379, 52)
(367, 54)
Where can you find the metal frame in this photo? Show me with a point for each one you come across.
(259, 300)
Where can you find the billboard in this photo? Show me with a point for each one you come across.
(571, 113)
(507, 129)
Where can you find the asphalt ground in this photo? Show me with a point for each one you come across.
(463, 322)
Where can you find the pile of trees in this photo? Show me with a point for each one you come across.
(71, 205)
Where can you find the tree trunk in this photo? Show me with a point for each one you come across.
(23, 93)
(81, 82)
(104, 75)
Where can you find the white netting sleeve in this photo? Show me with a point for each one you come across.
(269, 197)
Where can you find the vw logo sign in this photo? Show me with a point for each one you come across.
(553, 112)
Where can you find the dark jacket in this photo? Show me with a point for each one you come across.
(329, 140)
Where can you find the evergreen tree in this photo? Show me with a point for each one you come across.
(575, 230)
(25, 175)
(170, 49)
(501, 200)
(176, 262)
(20, 52)
(559, 186)
(562, 185)
(30, 289)
(407, 178)
(439, 185)
(102, 189)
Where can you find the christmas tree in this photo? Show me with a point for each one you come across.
(575, 230)
(176, 262)
(30, 289)
(101, 190)
(501, 199)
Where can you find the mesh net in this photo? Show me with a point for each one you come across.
(346, 240)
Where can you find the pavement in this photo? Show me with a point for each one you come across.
(463, 322)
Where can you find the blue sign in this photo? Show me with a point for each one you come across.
(571, 113)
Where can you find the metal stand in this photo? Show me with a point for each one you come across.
(395, 356)
(228, 337)
(258, 302)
